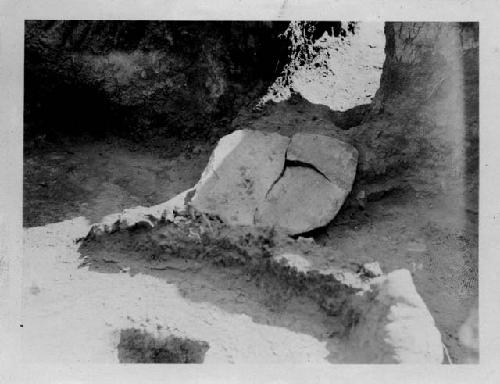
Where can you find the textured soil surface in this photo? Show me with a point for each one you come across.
(428, 234)
(96, 178)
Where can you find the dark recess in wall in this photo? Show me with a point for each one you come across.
(141, 78)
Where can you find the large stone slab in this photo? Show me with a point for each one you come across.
(300, 201)
(240, 172)
(333, 158)
(265, 179)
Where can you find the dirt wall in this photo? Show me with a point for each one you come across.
(430, 88)
(145, 77)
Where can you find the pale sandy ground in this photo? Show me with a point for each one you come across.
(73, 315)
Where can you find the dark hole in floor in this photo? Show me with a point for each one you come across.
(137, 346)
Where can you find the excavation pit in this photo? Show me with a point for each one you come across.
(156, 115)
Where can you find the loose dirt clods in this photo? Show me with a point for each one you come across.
(137, 346)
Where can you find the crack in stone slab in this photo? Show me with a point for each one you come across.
(286, 164)
(298, 163)
(293, 163)
(280, 175)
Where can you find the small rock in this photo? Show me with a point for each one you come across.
(371, 269)
(294, 260)
(416, 247)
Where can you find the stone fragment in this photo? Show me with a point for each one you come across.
(294, 260)
(396, 326)
(371, 269)
(240, 172)
(265, 179)
(144, 216)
